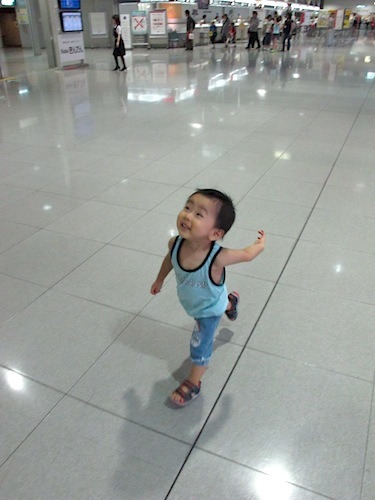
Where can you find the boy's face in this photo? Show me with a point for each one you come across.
(197, 220)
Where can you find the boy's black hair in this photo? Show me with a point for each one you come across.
(226, 213)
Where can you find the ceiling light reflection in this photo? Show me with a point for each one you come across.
(47, 207)
(196, 125)
(262, 92)
(273, 485)
(338, 268)
(15, 381)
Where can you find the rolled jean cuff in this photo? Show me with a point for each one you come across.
(201, 361)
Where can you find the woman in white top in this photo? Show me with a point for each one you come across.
(276, 32)
(119, 48)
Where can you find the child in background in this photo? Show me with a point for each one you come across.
(199, 263)
(213, 33)
(232, 34)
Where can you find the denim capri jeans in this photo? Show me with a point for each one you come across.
(202, 340)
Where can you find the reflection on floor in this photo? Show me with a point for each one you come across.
(94, 166)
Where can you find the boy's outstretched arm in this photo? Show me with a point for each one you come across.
(229, 256)
(165, 269)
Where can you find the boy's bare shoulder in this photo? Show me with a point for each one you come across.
(171, 242)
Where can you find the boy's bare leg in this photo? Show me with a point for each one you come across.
(195, 375)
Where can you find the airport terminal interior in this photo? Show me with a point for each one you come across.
(95, 165)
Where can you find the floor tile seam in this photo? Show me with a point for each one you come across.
(335, 211)
(32, 430)
(329, 294)
(103, 410)
(38, 229)
(143, 251)
(33, 379)
(220, 393)
(249, 467)
(252, 229)
(133, 207)
(25, 280)
(92, 301)
(333, 245)
(252, 276)
(287, 203)
(311, 365)
(48, 226)
(44, 189)
(283, 177)
(253, 329)
(49, 287)
(322, 292)
(39, 190)
(264, 174)
(28, 192)
(101, 354)
(371, 413)
(75, 236)
(8, 219)
(122, 417)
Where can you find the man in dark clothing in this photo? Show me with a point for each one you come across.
(287, 31)
(190, 25)
(225, 29)
(253, 31)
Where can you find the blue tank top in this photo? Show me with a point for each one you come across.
(198, 294)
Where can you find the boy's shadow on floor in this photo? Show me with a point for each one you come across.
(138, 412)
(183, 426)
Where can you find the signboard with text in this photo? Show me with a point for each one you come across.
(71, 47)
(158, 22)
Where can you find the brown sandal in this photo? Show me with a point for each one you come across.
(187, 397)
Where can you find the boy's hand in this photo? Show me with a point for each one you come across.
(261, 239)
(156, 287)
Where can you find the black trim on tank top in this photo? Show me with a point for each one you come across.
(200, 266)
(173, 246)
(222, 281)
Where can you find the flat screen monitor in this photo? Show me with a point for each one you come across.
(69, 4)
(71, 21)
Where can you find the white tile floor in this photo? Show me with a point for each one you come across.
(94, 166)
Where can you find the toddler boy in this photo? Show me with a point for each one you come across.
(199, 263)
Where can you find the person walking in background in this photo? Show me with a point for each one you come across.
(190, 25)
(268, 27)
(225, 30)
(119, 48)
(276, 32)
(287, 31)
(253, 31)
